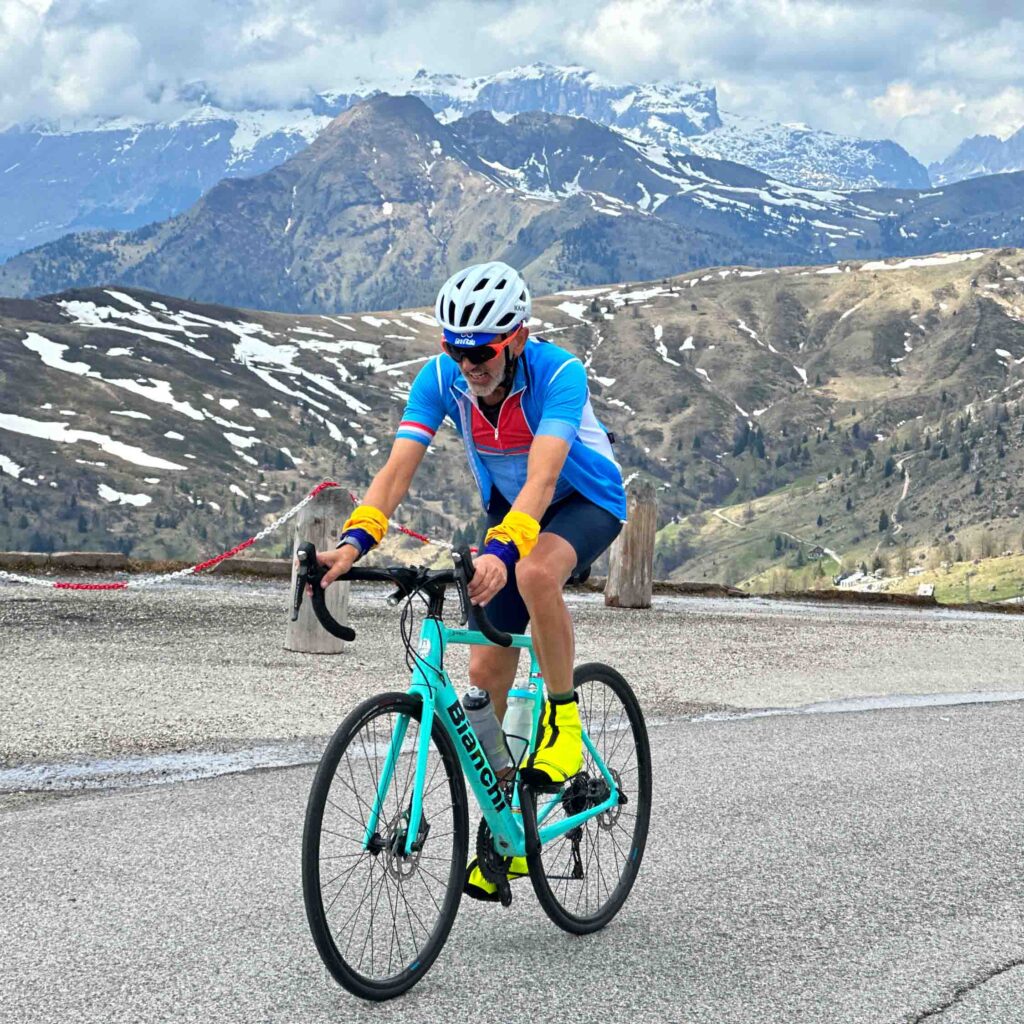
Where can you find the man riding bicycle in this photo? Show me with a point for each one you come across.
(549, 482)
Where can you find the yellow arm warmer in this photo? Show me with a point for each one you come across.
(370, 519)
(517, 528)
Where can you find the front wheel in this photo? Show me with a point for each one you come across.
(379, 916)
(582, 878)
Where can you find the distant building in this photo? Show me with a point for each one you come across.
(816, 552)
(852, 580)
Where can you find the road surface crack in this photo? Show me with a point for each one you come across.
(962, 990)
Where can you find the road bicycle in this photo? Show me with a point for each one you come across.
(386, 837)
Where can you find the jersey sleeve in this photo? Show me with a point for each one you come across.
(425, 409)
(564, 401)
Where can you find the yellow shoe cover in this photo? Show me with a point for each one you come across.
(479, 888)
(559, 753)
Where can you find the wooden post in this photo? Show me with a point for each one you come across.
(320, 522)
(631, 559)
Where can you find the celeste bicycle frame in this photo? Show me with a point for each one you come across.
(433, 686)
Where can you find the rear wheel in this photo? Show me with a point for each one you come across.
(379, 916)
(583, 878)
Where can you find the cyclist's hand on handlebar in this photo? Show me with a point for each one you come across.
(340, 561)
(490, 575)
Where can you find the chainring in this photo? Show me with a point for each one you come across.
(493, 866)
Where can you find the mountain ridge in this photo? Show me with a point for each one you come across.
(773, 397)
(123, 173)
(388, 200)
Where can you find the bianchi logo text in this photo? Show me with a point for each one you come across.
(477, 757)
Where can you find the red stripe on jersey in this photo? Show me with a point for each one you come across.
(514, 436)
(421, 426)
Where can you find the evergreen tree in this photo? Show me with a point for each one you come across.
(883, 521)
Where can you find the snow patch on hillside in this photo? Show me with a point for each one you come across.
(59, 432)
(109, 494)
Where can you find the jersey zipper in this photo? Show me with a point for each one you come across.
(501, 411)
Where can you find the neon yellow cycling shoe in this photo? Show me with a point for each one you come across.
(559, 753)
(480, 888)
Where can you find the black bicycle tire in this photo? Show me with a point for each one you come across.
(344, 973)
(546, 896)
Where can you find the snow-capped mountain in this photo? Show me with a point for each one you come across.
(122, 173)
(980, 155)
(119, 174)
(388, 201)
(673, 110)
(805, 156)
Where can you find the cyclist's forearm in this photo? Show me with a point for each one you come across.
(386, 491)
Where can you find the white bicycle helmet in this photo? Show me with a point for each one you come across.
(481, 302)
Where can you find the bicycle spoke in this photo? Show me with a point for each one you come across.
(384, 908)
(605, 841)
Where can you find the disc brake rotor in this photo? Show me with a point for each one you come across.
(607, 819)
(398, 864)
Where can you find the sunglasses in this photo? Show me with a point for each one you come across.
(479, 354)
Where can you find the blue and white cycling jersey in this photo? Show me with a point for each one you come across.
(549, 396)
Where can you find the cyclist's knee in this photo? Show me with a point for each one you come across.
(493, 668)
(537, 576)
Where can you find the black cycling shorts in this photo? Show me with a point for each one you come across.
(590, 530)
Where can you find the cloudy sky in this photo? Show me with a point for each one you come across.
(923, 72)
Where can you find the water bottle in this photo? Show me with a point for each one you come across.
(518, 721)
(480, 713)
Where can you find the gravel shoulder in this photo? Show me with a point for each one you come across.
(201, 665)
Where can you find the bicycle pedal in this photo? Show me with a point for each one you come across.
(505, 894)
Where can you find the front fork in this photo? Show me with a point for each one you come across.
(388, 773)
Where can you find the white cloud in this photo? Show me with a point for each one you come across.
(925, 72)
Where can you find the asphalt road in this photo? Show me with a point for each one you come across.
(857, 867)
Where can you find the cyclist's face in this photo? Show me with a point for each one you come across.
(485, 378)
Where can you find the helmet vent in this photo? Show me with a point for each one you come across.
(482, 283)
(451, 311)
(484, 310)
(505, 319)
(467, 312)
(501, 283)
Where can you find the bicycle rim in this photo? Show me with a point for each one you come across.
(582, 878)
(379, 917)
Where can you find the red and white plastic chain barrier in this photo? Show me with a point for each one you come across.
(149, 581)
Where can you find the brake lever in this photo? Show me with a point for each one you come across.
(302, 576)
(310, 573)
(463, 599)
(464, 572)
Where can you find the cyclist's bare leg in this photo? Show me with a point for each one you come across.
(540, 578)
(494, 669)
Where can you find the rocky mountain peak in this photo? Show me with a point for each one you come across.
(980, 155)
